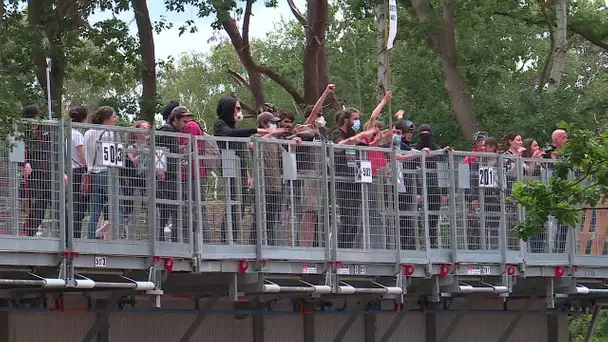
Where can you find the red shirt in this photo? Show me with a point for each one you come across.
(195, 130)
(377, 159)
(471, 159)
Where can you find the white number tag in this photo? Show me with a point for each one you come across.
(364, 172)
(160, 161)
(487, 177)
(112, 154)
(101, 262)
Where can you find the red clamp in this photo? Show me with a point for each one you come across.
(445, 270)
(69, 254)
(301, 307)
(559, 272)
(243, 266)
(169, 265)
(407, 269)
(510, 270)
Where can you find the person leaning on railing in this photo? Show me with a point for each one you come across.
(228, 113)
(95, 181)
(167, 180)
(80, 200)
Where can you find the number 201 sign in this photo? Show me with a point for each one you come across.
(487, 177)
(112, 154)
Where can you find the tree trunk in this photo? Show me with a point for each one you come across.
(316, 17)
(243, 50)
(146, 46)
(444, 44)
(382, 80)
(38, 55)
(561, 45)
(57, 78)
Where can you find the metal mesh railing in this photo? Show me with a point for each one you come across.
(139, 187)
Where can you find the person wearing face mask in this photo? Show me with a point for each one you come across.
(229, 112)
(435, 194)
(270, 155)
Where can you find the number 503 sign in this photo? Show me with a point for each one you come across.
(364, 172)
(112, 154)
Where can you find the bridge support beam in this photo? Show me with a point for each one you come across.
(102, 318)
(202, 314)
(369, 319)
(593, 324)
(4, 327)
(309, 324)
(456, 320)
(351, 320)
(515, 321)
(430, 319)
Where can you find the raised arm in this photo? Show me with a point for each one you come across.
(319, 105)
(378, 109)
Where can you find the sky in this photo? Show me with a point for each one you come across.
(169, 43)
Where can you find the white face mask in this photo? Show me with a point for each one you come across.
(320, 122)
(238, 117)
(272, 126)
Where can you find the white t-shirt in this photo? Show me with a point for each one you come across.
(77, 140)
(91, 139)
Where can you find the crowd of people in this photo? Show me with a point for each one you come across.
(90, 178)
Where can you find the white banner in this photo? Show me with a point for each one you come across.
(392, 26)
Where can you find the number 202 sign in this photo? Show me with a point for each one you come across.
(112, 154)
(487, 177)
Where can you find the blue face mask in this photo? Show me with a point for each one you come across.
(357, 125)
(396, 138)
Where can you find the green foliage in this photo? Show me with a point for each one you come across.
(580, 179)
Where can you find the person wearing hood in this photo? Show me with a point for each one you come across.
(229, 112)
(435, 194)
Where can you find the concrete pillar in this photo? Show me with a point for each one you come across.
(430, 319)
(309, 323)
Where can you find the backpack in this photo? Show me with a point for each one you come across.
(212, 155)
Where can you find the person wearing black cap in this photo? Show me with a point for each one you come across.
(168, 108)
(167, 180)
(435, 194)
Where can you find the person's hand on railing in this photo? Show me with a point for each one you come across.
(27, 170)
(65, 180)
(249, 183)
(400, 114)
(427, 150)
(161, 176)
(298, 140)
(305, 131)
(538, 154)
(448, 149)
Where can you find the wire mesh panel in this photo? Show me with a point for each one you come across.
(513, 172)
(432, 194)
(228, 191)
(411, 222)
(479, 208)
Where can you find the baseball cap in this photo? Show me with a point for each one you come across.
(179, 110)
(480, 136)
(267, 116)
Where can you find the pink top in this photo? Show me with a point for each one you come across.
(194, 129)
(377, 158)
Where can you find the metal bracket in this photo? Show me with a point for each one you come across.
(202, 314)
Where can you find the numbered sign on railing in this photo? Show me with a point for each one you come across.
(364, 172)
(400, 181)
(290, 167)
(487, 177)
(112, 154)
(160, 161)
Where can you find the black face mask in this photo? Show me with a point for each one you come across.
(426, 140)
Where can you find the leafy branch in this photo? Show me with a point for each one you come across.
(579, 181)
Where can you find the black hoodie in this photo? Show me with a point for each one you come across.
(224, 126)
